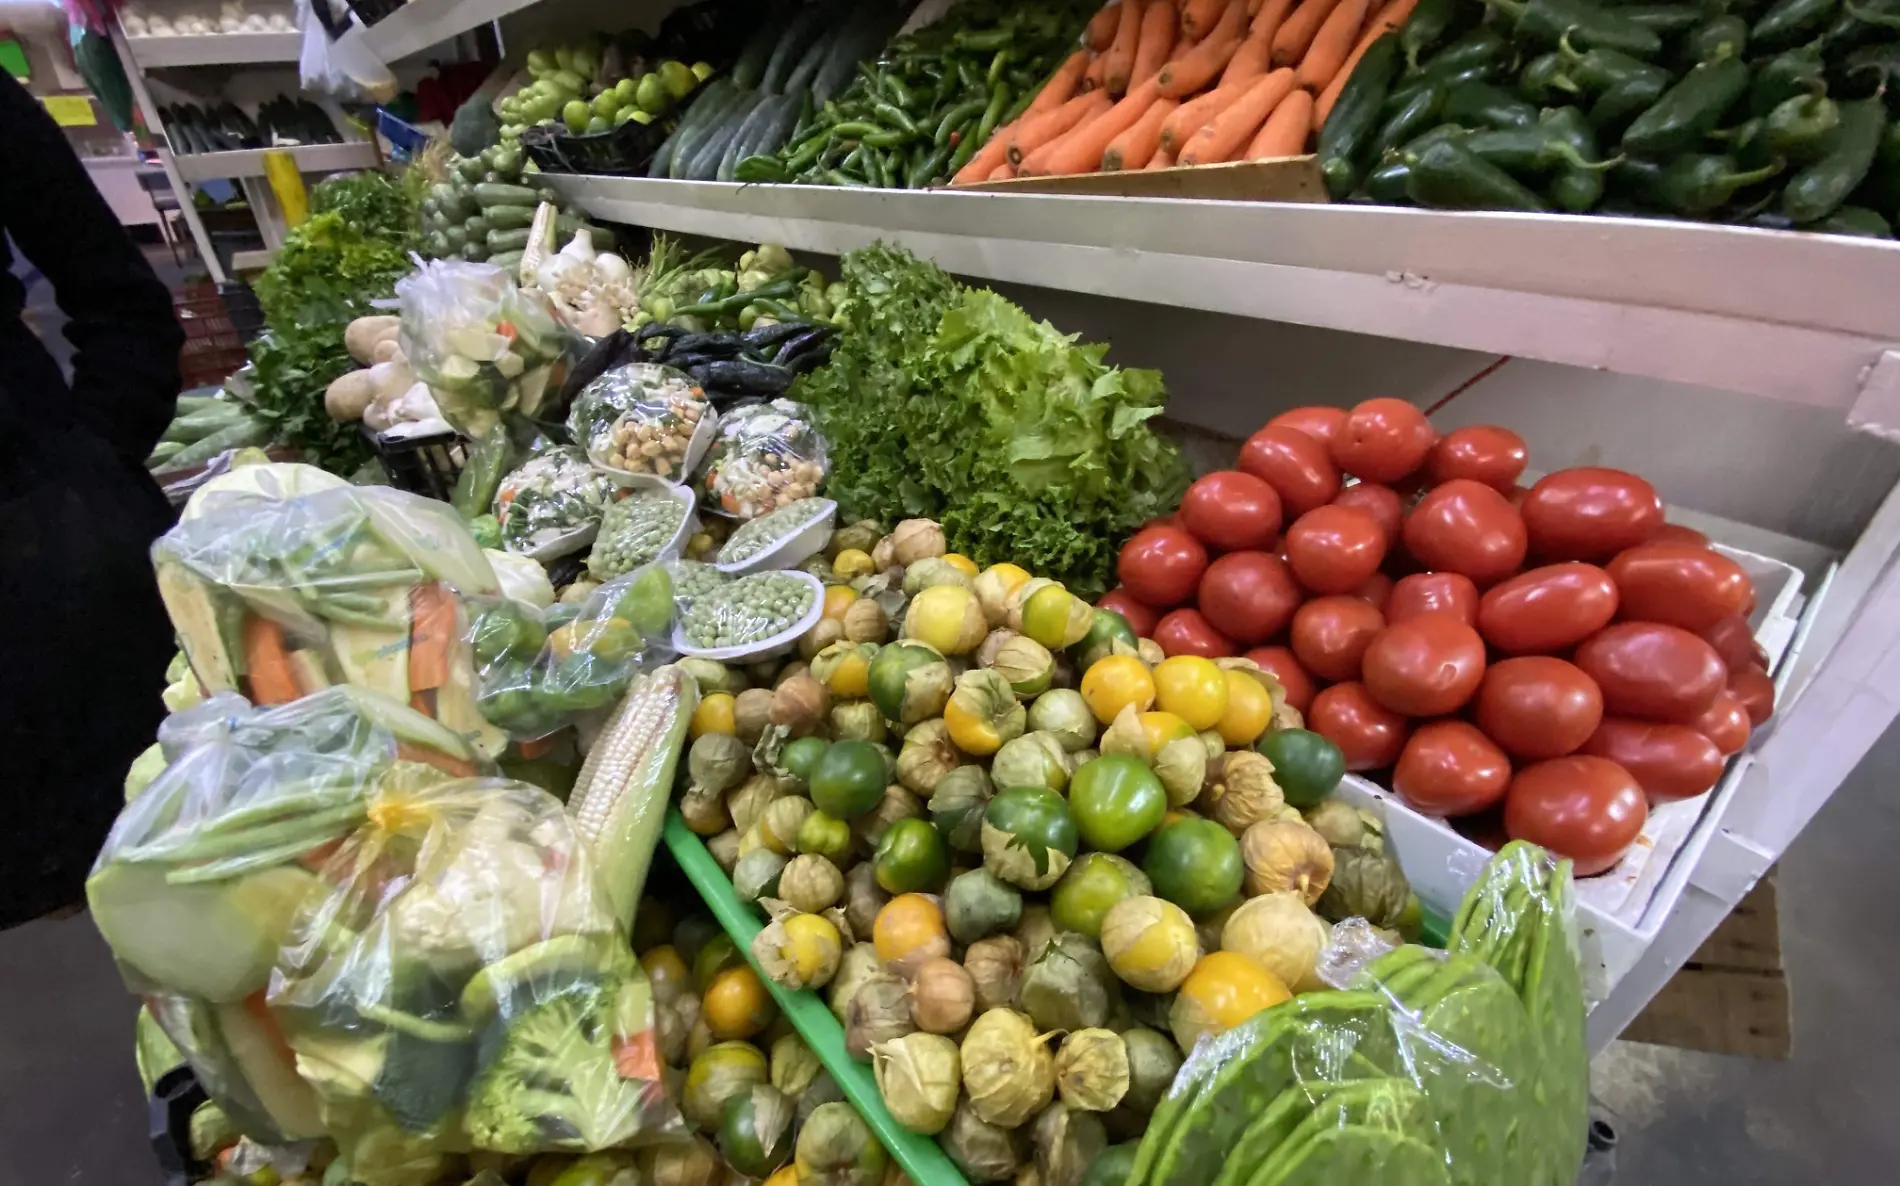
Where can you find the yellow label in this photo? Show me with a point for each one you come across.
(70, 111)
(280, 169)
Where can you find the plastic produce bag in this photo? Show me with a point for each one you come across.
(466, 984)
(749, 611)
(280, 585)
(489, 460)
(643, 422)
(552, 505)
(540, 669)
(762, 457)
(202, 875)
(486, 347)
(1455, 1067)
(649, 525)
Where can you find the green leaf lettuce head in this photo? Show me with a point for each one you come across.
(952, 403)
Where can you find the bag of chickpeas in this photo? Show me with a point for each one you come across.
(643, 423)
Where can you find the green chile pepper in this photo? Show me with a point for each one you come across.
(1881, 189)
(1579, 183)
(1547, 22)
(1428, 22)
(1405, 92)
(1544, 80)
(1694, 184)
(1597, 70)
(1480, 47)
(999, 98)
(1823, 186)
(1689, 110)
(1794, 72)
(1666, 20)
(956, 117)
(1346, 138)
(1791, 22)
(1415, 117)
(1427, 139)
(1853, 220)
(1385, 184)
(895, 116)
(1722, 35)
(1481, 105)
(1445, 176)
(1798, 128)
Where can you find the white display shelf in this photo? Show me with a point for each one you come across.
(250, 261)
(1794, 317)
(249, 162)
(215, 49)
(420, 24)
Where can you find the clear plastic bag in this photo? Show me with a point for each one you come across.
(540, 669)
(280, 585)
(643, 421)
(762, 457)
(202, 875)
(486, 347)
(489, 460)
(551, 506)
(648, 525)
(465, 983)
(749, 611)
(1451, 1067)
(693, 579)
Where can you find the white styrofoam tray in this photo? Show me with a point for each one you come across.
(696, 446)
(1618, 910)
(768, 648)
(791, 549)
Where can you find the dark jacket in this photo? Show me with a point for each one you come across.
(85, 639)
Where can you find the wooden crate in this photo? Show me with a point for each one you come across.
(1732, 996)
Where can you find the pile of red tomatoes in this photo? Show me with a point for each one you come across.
(1556, 654)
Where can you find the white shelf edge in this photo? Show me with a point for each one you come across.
(1689, 302)
(249, 162)
(420, 24)
(215, 49)
(247, 261)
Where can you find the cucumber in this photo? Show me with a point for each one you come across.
(724, 101)
(188, 404)
(773, 134)
(792, 44)
(247, 432)
(509, 218)
(743, 133)
(436, 245)
(198, 425)
(470, 168)
(456, 238)
(162, 452)
(750, 66)
(507, 241)
(495, 193)
(862, 37)
(704, 164)
(476, 227)
(510, 260)
(800, 77)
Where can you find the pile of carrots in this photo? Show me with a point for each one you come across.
(1159, 83)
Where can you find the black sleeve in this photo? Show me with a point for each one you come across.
(125, 337)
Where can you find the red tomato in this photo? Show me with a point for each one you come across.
(1383, 440)
(1433, 593)
(1426, 667)
(1586, 808)
(1248, 596)
(1331, 634)
(1726, 723)
(1516, 496)
(1653, 671)
(1376, 589)
(1681, 584)
(1668, 761)
(1537, 707)
(1297, 467)
(1676, 533)
(1281, 664)
(1333, 548)
(1449, 768)
(1381, 502)
(1466, 527)
(1141, 619)
(1186, 632)
(1756, 691)
(1161, 565)
(1590, 513)
(1367, 733)
(1735, 643)
(1481, 452)
(1231, 510)
(1547, 609)
(1320, 423)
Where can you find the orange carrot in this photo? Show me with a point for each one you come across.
(1061, 86)
(1298, 30)
(991, 154)
(1199, 17)
(1081, 150)
(1002, 172)
(1033, 134)
(1189, 116)
(1227, 133)
(1390, 17)
(1271, 16)
(1101, 31)
(429, 756)
(1157, 39)
(1286, 130)
(1119, 61)
(1332, 44)
(1196, 68)
(1134, 148)
(1162, 159)
(431, 631)
(267, 661)
(1095, 76)
(536, 747)
(1249, 61)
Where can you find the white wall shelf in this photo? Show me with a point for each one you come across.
(420, 24)
(249, 162)
(215, 49)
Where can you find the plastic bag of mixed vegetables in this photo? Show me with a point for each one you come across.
(486, 347)
(202, 875)
(466, 983)
(286, 585)
(1462, 1067)
(643, 423)
(541, 669)
(552, 505)
(762, 457)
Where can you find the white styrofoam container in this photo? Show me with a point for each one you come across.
(791, 550)
(767, 648)
(675, 547)
(696, 447)
(1620, 909)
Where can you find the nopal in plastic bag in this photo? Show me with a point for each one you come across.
(486, 347)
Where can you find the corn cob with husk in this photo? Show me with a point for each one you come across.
(620, 797)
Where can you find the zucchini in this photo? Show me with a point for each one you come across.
(727, 98)
(509, 218)
(456, 238)
(198, 425)
(242, 435)
(507, 241)
(511, 260)
(435, 245)
(495, 193)
(743, 132)
(476, 227)
(792, 44)
(470, 168)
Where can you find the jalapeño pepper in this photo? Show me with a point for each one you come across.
(1787, 74)
(1723, 34)
(1616, 107)
(1578, 186)
(1791, 22)
(1385, 184)
(1346, 138)
(1798, 128)
(1853, 220)
(1882, 186)
(1428, 22)
(1694, 184)
(1546, 22)
(1481, 105)
(1446, 176)
(1480, 47)
(1665, 20)
(1415, 117)
(1544, 80)
(1689, 110)
(1818, 190)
